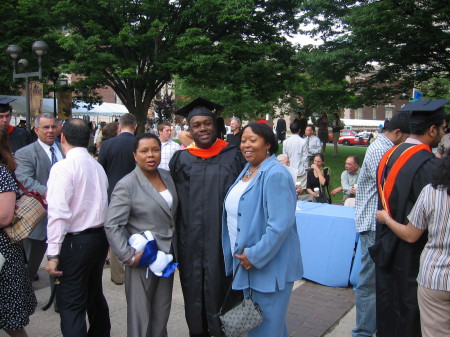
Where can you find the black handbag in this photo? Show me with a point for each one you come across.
(241, 318)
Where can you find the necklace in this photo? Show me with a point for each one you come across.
(249, 173)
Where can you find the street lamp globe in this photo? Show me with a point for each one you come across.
(39, 48)
(14, 51)
(23, 64)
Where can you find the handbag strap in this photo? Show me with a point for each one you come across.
(33, 194)
(231, 285)
(24, 190)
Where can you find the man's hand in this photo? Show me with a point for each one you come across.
(52, 268)
(336, 190)
(137, 258)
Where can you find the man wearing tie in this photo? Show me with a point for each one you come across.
(34, 162)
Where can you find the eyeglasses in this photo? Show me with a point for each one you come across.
(48, 127)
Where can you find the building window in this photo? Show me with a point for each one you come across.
(359, 113)
(388, 113)
(388, 110)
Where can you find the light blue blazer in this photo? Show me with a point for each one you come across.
(267, 229)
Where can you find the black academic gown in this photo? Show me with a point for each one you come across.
(19, 138)
(201, 186)
(396, 261)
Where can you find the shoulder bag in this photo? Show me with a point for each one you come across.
(243, 317)
(29, 212)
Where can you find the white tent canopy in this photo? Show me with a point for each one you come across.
(362, 123)
(104, 109)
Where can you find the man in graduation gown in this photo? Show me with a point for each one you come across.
(17, 136)
(403, 171)
(203, 173)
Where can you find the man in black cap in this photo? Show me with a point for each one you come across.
(203, 173)
(403, 171)
(18, 137)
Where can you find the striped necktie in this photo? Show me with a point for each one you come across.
(54, 159)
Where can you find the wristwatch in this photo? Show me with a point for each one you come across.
(52, 257)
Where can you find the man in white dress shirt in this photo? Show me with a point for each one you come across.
(34, 162)
(313, 142)
(296, 149)
(77, 245)
(168, 146)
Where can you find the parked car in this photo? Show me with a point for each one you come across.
(344, 132)
(353, 140)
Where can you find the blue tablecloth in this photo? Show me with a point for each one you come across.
(327, 239)
(356, 267)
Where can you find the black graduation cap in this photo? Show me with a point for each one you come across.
(4, 103)
(200, 107)
(425, 111)
(425, 105)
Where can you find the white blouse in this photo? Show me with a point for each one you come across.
(231, 206)
(167, 197)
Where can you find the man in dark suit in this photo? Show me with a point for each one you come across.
(34, 162)
(116, 157)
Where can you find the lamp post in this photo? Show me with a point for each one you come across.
(54, 77)
(40, 49)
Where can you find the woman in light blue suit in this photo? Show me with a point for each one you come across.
(259, 230)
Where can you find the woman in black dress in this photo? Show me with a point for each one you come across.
(16, 294)
(318, 180)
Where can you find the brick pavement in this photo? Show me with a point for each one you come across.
(315, 309)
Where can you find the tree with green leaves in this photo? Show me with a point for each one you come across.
(136, 47)
(22, 26)
(398, 42)
(314, 95)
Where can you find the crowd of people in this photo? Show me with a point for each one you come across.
(225, 212)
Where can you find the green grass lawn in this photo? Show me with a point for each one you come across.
(336, 164)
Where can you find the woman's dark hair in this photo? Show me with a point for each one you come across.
(6, 157)
(441, 175)
(265, 132)
(145, 136)
(110, 130)
(322, 157)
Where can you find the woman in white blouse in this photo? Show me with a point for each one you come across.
(431, 212)
(145, 199)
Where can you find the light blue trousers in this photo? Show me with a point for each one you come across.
(274, 306)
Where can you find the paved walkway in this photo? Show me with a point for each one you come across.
(314, 311)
